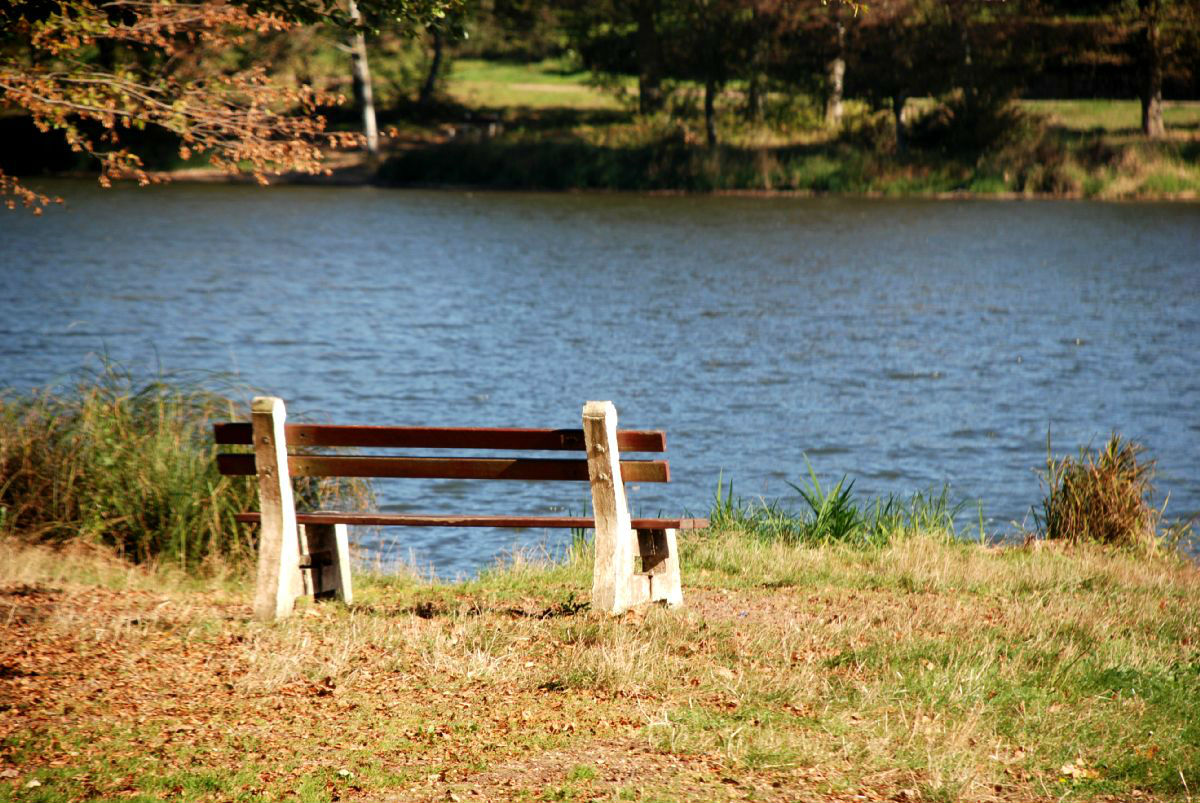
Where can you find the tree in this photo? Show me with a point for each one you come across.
(450, 25)
(836, 70)
(429, 85)
(649, 57)
(1152, 40)
(364, 92)
(921, 55)
(621, 36)
(710, 42)
(1151, 94)
(713, 42)
(97, 70)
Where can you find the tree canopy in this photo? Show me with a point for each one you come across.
(97, 70)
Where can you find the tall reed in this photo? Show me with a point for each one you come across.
(1103, 496)
(130, 466)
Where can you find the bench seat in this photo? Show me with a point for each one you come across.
(419, 520)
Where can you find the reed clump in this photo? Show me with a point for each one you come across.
(834, 515)
(1102, 496)
(128, 465)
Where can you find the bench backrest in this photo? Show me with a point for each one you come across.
(472, 438)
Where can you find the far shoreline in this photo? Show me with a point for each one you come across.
(356, 176)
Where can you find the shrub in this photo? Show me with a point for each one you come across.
(871, 131)
(956, 126)
(1101, 497)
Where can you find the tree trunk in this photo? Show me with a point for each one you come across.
(898, 101)
(754, 96)
(710, 124)
(435, 66)
(1152, 79)
(364, 96)
(836, 75)
(649, 58)
(756, 82)
(970, 84)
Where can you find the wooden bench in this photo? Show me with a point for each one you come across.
(299, 553)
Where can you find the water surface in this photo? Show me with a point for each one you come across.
(906, 344)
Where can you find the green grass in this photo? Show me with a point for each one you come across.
(831, 514)
(555, 83)
(829, 647)
(541, 85)
(1113, 116)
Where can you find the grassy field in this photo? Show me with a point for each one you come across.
(555, 84)
(541, 85)
(1114, 116)
(550, 126)
(923, 670)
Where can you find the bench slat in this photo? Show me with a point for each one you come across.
(476, 468)
(629, 440)
(420, 520)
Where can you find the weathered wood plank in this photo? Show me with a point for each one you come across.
(476, 468)
(630, 440)
(522, 522)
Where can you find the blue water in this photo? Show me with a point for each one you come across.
(906, 344)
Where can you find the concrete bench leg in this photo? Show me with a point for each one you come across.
(292, 560)
(658, 579)
(278, 581)
(325, 562)
(616, 583)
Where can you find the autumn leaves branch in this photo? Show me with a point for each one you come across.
(95, 70)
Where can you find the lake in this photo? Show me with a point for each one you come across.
(904, 344)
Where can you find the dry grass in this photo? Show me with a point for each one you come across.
(922, 670)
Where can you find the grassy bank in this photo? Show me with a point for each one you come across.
(1037, 159)
(541, 126)
(920, 670)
